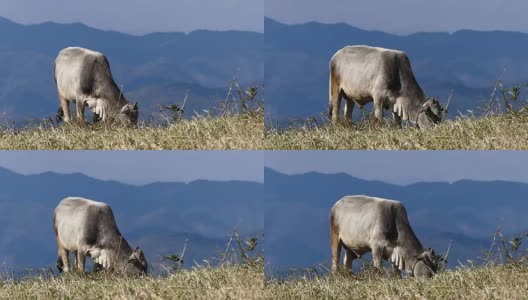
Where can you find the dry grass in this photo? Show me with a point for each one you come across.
(498, 282)
(507, 131)
(235, 131)
(227, 282)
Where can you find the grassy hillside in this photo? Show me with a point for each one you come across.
(229, 131)
(227, 282)
(497, 282)
(508, 131)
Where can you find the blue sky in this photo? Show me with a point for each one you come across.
(404, 167)
(406, 16)
(141, 167)
(141, 16)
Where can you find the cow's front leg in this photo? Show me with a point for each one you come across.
(81, 260)
(395, 271)
(378, 109)
(377, 256)
(80, 104)
(97, 267)
(397, 119)
(348, 259)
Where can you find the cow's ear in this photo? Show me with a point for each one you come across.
(135, 107)
(424, 107)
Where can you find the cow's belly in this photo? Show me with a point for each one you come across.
(356, 242)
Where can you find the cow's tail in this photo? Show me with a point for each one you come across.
(333, 90)
(60, 263)
(335, 241)
(330, 84)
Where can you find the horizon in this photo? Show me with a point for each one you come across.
(141, 167)
(406, 167)
(394, 183)
(124, 32)
(399, 18)
(406, 34)
(303, 23)
(141, 16)
(129, 183)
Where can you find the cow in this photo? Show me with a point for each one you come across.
(83, 76)
(88, 228)
(363, 74)
(362, 224)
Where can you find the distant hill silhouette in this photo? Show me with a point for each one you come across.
(158, 217)
(152, 69)
(467, 61)
(465, 212)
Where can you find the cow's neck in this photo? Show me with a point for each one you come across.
(116, 100)
(405, 258)
(408, 105)
(407, 250)
(123, 252)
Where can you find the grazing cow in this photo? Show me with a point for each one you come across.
(88, 228)
(363, 74)
(83, 76)
(362, 224)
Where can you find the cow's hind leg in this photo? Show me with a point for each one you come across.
(65, 107)
(348, 259)
(64, 260)
(349, 108)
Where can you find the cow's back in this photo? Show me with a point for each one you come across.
(360, 218)
(363, 70)
(79, 220)
(74, 71)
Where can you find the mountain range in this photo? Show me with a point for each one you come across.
(158, 217)
(465, 213)
(468, 62)
(153, 69)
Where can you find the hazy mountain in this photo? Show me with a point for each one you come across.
(297, 57)
(158, 217)
(152, 69)
(465, 212)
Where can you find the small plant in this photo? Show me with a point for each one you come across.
(242, 101)
(176, 259)
(509, 100)
(507, 251)
(176, 112)
(246, 252)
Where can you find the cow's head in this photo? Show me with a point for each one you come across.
(128, 115)
(426, 264)
(430, 113)
(137, 263)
